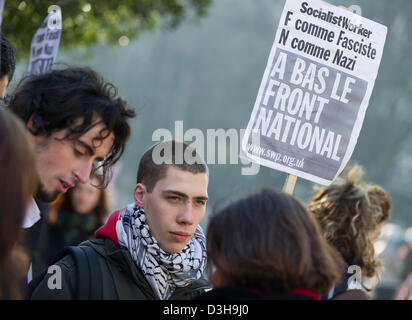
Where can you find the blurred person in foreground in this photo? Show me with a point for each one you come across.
(76, 215)
(18, 184)
(267, 246)
(351, 213)
(154, 248)
(76, 124)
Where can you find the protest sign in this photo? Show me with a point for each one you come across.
(315, 90)
(45, 43)
(1, 10)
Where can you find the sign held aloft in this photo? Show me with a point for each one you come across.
(45, 43)
(315, 90)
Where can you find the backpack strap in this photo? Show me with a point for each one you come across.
(82, 271)
(95, 276)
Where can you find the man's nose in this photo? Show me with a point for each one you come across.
(186, 215)
(83, 171)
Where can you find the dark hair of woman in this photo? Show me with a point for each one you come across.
(269, 240)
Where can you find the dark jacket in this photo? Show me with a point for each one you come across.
(244, 293)
(121, 278)
(35, 240)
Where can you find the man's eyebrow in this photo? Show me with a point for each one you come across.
(178, 193)
(88, 148)
(183, 195)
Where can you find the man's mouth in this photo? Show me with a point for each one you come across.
(64, 186)
(180, 236)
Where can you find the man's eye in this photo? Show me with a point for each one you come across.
(78, 153)
(173, 198)
(201, 202)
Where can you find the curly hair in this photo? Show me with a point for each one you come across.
(349, 211)
(57, 99)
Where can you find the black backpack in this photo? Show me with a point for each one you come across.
(89, 275)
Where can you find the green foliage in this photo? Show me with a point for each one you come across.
(96, 21)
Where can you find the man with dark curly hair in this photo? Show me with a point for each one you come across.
(76, 124)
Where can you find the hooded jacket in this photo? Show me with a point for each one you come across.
(121, 278)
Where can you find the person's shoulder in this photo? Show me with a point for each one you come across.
(67, 262)
(58, 281)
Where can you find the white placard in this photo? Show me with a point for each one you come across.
(315, 90)
(45, 43)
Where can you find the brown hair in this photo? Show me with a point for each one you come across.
(155, 161)
(348, 211)
(19, 182)
(270, 240)
(55, 100)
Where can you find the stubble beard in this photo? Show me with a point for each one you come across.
(45, 195)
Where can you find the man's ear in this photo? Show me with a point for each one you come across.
(35, 126)
(32, 128)
(35, 123)
(140, 193)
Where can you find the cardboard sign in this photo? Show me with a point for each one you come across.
(315, 91)
(45, 43)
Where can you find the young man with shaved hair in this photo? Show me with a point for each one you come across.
(154, 248)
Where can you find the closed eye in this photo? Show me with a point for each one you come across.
(78, 153)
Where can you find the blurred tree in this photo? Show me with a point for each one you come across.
(96, 21)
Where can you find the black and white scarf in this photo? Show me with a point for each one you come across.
(164, 271)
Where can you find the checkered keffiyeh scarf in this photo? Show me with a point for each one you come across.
(164, 271)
